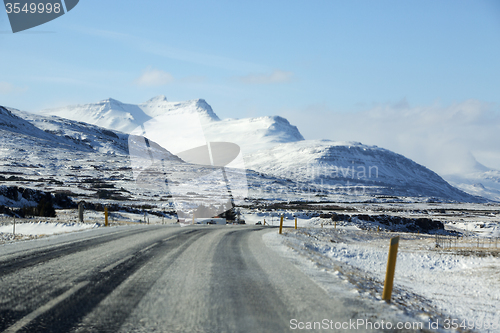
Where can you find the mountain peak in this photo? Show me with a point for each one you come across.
(110, 101)
(109, 113)
(157, 99)
(159, 105)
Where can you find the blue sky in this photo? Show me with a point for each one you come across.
(305, 60)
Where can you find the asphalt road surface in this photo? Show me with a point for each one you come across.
(162, 279)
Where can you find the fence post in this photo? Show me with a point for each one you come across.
(391, 267)
(281, 224)
(80, 211)
(105, 216)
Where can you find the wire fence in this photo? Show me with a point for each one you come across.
(5, 220)
(465, 243)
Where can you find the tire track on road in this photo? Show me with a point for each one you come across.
(70, 314)
(242, 294)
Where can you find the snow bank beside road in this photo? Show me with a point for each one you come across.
(460, 287)
(46, 228)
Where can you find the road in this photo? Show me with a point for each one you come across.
(162, 279)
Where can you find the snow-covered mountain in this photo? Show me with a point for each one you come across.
(115, 115)
(352, 167)
(91, 163)
(159, 105)
(250, 134)
(484, 183)
(12, 123)
(271, 146)
(61, 155)
(110, 113)
(253, 134)
(80, 135)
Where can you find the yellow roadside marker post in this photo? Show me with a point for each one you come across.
(378, 228)
(335, 225)
(295, 223)
(281, 224)
(106, 216)
(264, 222)
(391, 267)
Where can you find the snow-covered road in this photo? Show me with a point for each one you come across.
(170, 279)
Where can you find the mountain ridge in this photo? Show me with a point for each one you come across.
(271, 145)
(113, 114)
(159, 105)
(124, 117)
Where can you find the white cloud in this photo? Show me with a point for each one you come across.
(7, 88)
(445, 139)
(276, 76)
(154, 77)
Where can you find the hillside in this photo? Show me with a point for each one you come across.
(352, 167)
(60, 155)
(485, 183)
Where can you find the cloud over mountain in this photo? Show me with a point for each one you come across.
(447, 139)
(154, 77)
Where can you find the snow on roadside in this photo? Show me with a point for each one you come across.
(457, 286)
(46, 228)
(66, 221)
(488, 229)
(273, 218)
